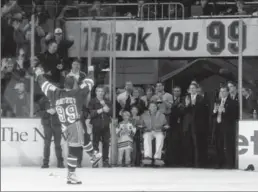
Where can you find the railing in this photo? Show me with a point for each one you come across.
(146, 11)
(163, 11)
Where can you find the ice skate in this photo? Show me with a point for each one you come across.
(95, 158)
(72, 179)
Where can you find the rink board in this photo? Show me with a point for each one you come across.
(22, 142)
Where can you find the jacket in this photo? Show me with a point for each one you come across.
(99, 121)
(46, 118)
(153, 123)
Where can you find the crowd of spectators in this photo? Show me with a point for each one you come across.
(177, 121)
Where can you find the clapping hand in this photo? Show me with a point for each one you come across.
(60, 66)
(106, 109)
(102, 102)
(187, 100)
(221, 109)
(51, 111)
(38, 71)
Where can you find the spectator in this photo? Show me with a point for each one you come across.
(52, 127)
(125, 132)
(240, 8)
(22, 64)
(249, 103)
(124, 99)
(39, 37)
(153, 122)
(225, 112)
(164, 100)
(208, 7)
(195, 129)
(149, 92)
(51, 62)
(174, 135)
(136, 101)
(100, 114)
(21, 104)
(233, 93)
(62, 46)
(137, 137)
(76, 71)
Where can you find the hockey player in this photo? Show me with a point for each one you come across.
(68, 105)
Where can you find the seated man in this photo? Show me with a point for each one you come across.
(153, 123)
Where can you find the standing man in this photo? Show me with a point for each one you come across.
(195, 129)
(51, 63)
(100, 114)
(175, 134)
(226, 112)
(52, 127)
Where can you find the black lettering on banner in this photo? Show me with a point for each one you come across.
(244, 143)
(176, 41)
(175, 38)
(254, 139)
(216, 34)
(124, 41)
(233, 35)
(142, 37)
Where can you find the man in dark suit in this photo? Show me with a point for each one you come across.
(249, 103)
(226, 112)
(173, 155)
(100, 115)
(195, 129)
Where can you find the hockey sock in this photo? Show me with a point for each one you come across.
(73, 158)
(88, 148)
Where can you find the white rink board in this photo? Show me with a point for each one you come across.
(129, 179)
(248, 144)
(22, 144)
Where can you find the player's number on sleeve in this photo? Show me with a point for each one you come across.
(69, 114)
(222, 38)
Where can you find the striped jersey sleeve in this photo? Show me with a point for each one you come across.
(47, 88)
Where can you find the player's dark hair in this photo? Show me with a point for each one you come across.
(69, 82)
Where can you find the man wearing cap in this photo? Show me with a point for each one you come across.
(63, 45)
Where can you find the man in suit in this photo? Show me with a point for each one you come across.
(173, 155)
(195, 129)
(233, 91)
(249, 103)
(226, 112)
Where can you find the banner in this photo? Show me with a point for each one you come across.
(22, 144)
(248, 144)
(157, 39)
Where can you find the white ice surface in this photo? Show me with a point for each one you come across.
(128, 179)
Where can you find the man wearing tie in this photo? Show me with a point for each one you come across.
(225, 111)
(195, 129)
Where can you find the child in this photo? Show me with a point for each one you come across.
(125, 132)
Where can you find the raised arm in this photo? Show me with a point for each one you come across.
(48, 88)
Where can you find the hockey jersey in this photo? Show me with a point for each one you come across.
(68, 103)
